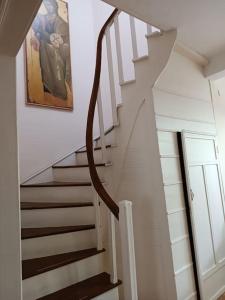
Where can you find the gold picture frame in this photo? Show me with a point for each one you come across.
(48, 60)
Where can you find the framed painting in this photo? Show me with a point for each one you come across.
(48, 63)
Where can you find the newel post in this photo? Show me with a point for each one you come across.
(128, 251)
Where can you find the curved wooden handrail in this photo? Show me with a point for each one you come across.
(114, 208)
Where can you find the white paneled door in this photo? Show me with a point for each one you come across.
(206, 199)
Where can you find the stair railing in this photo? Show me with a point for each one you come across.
(123, 211)
(95, 95)
(100, 191)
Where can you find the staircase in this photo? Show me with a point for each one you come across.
(69, 223)
(62, 256)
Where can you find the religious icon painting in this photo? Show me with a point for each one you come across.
(49, 79)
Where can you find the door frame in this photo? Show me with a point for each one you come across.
(187, 197)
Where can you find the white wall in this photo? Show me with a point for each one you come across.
(218, 89)
(46, 135)
(182, 99)
(10, 258)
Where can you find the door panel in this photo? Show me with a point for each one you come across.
(202, 227)
(206, 200)
(216, 210)
(200, 150)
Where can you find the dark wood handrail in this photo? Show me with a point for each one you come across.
(114, 208)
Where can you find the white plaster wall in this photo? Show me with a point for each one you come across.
(10, 258)
(46, 135)
(183, 97)
(218, 92)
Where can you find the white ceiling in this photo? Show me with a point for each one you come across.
(200, 23)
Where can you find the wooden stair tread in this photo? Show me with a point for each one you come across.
(29, 233)
(95, 149)
(77, 166)
(84, 290)
(36, 266)
(57, 184)
(49, 205)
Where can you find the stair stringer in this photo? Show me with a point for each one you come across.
(137, 177)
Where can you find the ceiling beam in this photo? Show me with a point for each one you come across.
(15, 20)
(191, 54)
(216, 67)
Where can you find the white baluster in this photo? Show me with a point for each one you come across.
(128, 251)
(101, 127)
(112, 249)
(119, 50)
(111, 77)
(134, 37)
(149, 30)
(98, 222)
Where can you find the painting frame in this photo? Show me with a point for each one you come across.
(68, 104)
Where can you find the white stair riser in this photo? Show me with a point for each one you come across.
(81, 158)
(109, 139)
(141, 67)
(60, 278)
(128, 92)
(57, 244)
(69, 160)
(81, 174)
(58, 217)
(110, 295)
(57, 194)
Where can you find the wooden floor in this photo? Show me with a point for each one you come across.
(222, 297)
